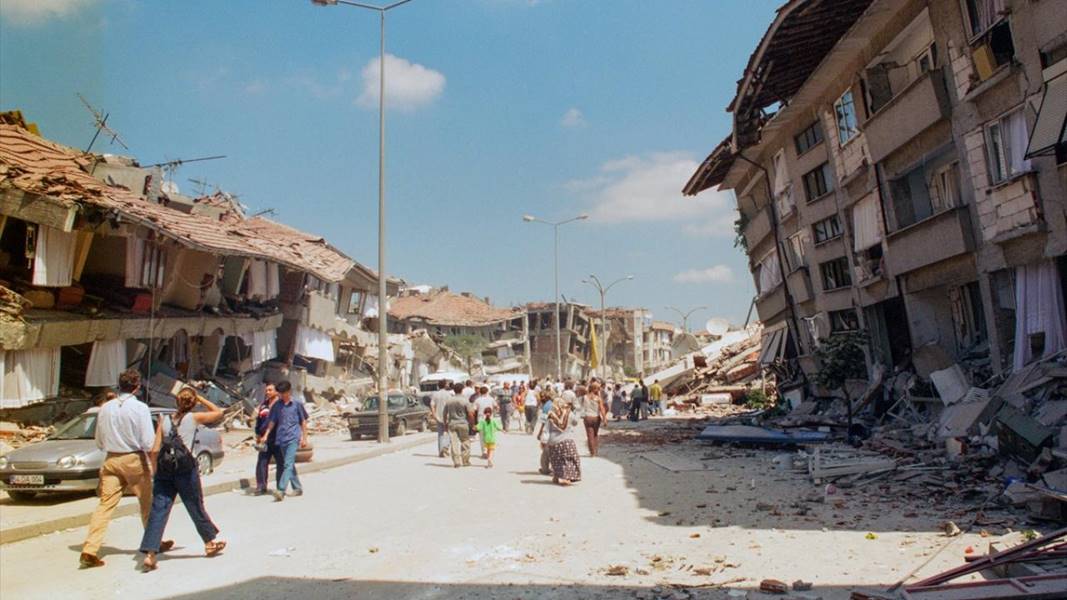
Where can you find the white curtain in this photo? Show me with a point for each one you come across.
(274, 286)
(29, 376)
(313, 343)
(370, 307)
(134, 261)
(1039, 308)
(1018, 139)
(257, 280)
(106, 362)
(264, 345)
(53, 258)
(867, 222)
(770, 273)
(143, 260)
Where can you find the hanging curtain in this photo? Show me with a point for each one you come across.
(106, 363)
(1018, 139)
(257, 280)
(1039, 308)
(29, 376)
(313, 343)
(274, 287)
(867, 222)
(53, 259)
(145, 263)
(770, 274)
(370, 307)
(134, 261)
(264, 345)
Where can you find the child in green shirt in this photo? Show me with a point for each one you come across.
(487, 427)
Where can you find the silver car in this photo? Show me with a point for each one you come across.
(69, 461)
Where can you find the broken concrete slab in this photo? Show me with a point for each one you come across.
(962, 419)
(951, 384)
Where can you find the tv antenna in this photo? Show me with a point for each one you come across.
(100, 122)
(202, 186)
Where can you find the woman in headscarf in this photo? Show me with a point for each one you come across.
(176, 474)
(563, 425)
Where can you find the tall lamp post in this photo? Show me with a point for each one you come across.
(383, 338)
(685, 316)
(595, 282)
(555, 226)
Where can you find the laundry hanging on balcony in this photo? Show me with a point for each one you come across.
(313, 343)
(263, 280)
(1040, 324)
(29, 376)
(53, 258)
(264, 345)
(106, 362)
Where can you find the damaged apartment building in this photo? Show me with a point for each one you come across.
(575, 328)
(900, 167)
(104, 267)
(447, 317)
(633, 343)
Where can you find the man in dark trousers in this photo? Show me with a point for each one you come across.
(288, 420)
(639, 402)
(270, 396)
(457, 422)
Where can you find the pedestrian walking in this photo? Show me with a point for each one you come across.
(503, 401)
(542, 431)
(458, 427)
(177, 475)
(659, 401)
(482, 400)
(593, 413)
(562, 449)
(438, 400)
(288, 421)
(529, 405)
(124, 431)
(266, 449)
(618, 406)
(488, 427)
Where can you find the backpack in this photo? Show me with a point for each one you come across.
(175, 458)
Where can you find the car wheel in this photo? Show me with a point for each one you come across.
(424, 425)
(354, 435)
(401, 428)
(204, 463)
(21, 495)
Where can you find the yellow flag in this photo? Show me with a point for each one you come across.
(594, 351)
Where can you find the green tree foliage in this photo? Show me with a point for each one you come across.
(841, 358)
(467, 346)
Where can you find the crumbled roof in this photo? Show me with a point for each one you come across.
(663, 325)
(40, 167)
(449, 309)
(713, 170)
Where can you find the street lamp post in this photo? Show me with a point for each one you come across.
(555, 227)
(685, 316)
(595, 282)
(383, 337)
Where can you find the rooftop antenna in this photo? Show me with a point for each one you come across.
(100, 122)
(169, 166)
(265, 211)
(202, 186)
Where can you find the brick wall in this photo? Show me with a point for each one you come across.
(962, 68)
(1004, 207)
(846, 159)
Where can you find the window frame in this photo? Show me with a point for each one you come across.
(814, 131)
(968, 18)
(846, 135)
(839, 316)
(794, 254)
(821, 172)
(845, 279)
(1001, 125)
(836, 221)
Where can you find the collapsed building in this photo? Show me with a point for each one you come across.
(899, 169)
(574, 340)
(497, 338)
(103, 266)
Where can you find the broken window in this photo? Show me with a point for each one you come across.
(845, 111)
(835, 274)
(794, 251)
(1006, 140)
(809, 138)
(924, 190)
(783, 186)
(818, 182)
(843, 320)
(827, 229)
(944, 187)
(982, 14)
(768, 274)
(967, 315)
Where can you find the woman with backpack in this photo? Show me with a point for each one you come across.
(176, 474)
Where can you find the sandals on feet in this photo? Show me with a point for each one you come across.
(149, 564)
(213, 548)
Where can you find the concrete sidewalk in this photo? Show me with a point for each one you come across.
(55, 512)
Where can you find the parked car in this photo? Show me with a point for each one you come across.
(405, 412)
(69, 461)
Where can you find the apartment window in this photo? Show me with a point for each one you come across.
(944, 186)
(1006, 139)
(845, 111)
(818, 182)
(827, 229)
(794, 251)
(927, 189)
(809, 138)
(843, 320)
(835, 274)
(983, 14)
(967, 315)
(783, 186)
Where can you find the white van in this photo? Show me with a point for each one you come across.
(431, 382)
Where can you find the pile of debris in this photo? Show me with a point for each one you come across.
(722, 373)
(13, 436)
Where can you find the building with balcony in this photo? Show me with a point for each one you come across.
(575, 328)
(904, 162)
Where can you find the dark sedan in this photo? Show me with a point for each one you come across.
(405, 412)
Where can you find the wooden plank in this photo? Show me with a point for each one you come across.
(33, 208)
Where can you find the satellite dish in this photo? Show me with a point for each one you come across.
(717, 326)
(683, 344)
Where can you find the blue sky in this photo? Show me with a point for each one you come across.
(497, 108)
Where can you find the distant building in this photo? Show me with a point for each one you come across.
(575, 329)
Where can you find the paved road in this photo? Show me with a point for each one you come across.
(408, 525)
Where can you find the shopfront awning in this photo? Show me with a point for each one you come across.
(1050, 129)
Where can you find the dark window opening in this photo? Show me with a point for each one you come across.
(835, 274)
(843, 320)
(809, 138)
(818, 182)
(827, 229)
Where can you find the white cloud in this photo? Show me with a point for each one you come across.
(646, 188)
(718, 226)
(407, 85)
(714, 274)
(573, 118)
(35, 12)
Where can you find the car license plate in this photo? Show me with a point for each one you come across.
(27, 480)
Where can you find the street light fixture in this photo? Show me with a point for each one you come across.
(555, 226)
(383, 338)
(685, 316)
(595, 282)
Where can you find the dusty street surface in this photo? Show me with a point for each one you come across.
(409, 525)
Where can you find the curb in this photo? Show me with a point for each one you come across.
(25, 532)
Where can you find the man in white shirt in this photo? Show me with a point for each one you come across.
(468, 389)
(438, 400)
(124, 430)
(529, 407)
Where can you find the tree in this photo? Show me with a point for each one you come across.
(841, 358)
(467, 346)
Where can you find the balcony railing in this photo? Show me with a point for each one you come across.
(912, 111)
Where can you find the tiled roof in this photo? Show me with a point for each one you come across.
(447, 308)
(43, 168)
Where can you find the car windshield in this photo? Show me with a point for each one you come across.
(81, 427)
(394, 402)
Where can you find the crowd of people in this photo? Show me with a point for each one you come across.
(555, 412)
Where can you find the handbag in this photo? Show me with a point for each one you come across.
(175, 458)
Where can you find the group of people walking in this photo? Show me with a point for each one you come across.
(156, 462)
